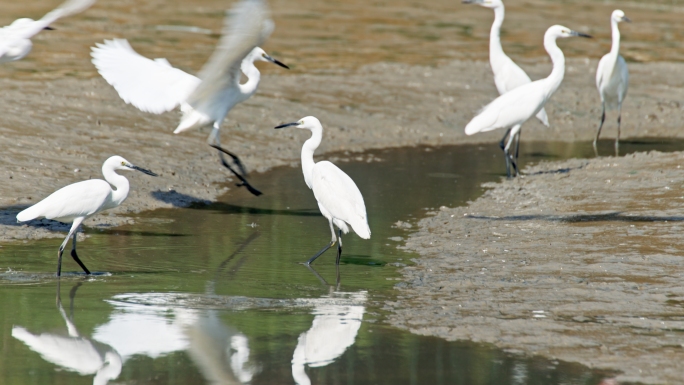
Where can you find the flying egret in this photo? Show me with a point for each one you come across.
(155, 86)
(515, 107)
(507, 74)
(15, 39)
(612, 78)
(79, 201)
(339, 200)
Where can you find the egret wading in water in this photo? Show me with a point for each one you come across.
(515, 107)
(79, 201)
(15, 39)
(612, 79)
(155, 86)
(339, 200)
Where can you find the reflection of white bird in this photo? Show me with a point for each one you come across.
(612, 78)
(154, 86)
(15, 39)
(79, 201)
(338, 197)
(73, 352)
(334, 329)
(515, 107)
(507, 74)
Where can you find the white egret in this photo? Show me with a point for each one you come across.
(515, 107)
(507, 74)
(15, 39)
(339, 200)
(79, 201)
(612, 78)
(155, 86)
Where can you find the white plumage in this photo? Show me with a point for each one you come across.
(507, 74)
(79, 201)
(155, 86)
(515, 107)
(612, 78)
(15, 39)
(339, 200)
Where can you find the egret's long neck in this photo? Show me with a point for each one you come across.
(554, 80)
(253, 76)
(615, 48)
(120, 183)
(495, 50)
(307, 153)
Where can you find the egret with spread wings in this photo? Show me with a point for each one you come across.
(15, 39)
(155, 86)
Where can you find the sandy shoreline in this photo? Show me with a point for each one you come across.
(580, 260)
(54, 127)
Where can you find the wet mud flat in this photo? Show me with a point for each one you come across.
(60, 129)
(580, 260)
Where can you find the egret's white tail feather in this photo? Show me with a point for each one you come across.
(32, 212)
(361, 229)
(23, 335)
(192, 119)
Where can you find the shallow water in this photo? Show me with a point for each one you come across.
(217, 294)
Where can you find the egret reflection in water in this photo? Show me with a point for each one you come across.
(72, 351)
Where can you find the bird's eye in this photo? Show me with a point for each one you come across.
(123, 163)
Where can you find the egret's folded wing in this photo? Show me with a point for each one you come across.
(150, 85)
(338, 193)
(68, 8)
(246, 26)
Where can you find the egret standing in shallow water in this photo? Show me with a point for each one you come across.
(612, 79)
(15, 39)
(338, 197)
(515, 107)
(154, 86)
(79, 201)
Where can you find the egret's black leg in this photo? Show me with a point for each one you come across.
(337, 276)
(235, 158)
(59, 261)
(242, 179)
(75, 256)
(517, 145)
(617, 139)
(339, 248)
(502, 144)
(598, 133)
(323, 250)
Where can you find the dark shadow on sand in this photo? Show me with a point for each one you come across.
(607, 217)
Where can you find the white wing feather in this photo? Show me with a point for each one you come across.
(80, 199)
(149, 85)
(510, 76)
(512, 108)
(338, 193)
(245, 27)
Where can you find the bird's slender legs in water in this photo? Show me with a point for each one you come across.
(331, 244)
(339, 247)
(72, 232)
(514, 132)
(617, 139)
(215, 142)
(598, 133)
(503, 148)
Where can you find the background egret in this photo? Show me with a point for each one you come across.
(154, 86)
(79, 201)
(15, 39)
(515, 107)
(612, 79)
(338, 197)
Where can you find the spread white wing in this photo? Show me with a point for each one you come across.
(338, 193)
(149, 85)
(245, 27)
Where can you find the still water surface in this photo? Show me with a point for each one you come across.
(217, 294)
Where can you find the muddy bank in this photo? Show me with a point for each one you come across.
(56, 132)
(579, 260)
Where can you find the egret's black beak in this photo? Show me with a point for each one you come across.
(143, 170)
(627, 19)
(575, 33)
(49, 28)
(274, 61)
(287, 125)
